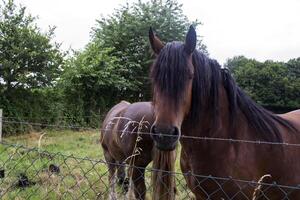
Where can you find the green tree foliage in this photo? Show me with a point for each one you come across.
(115, 63)
(269, 83)
(126, 30)
(92, 80)
(30, 63)
(28, 59)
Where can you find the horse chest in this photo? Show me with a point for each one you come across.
(208, 158)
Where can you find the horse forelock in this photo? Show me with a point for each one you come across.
(170, 75)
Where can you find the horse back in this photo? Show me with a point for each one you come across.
(135, 131)
(114, 112)
(110, 122)
(293, 117)
(121, 127)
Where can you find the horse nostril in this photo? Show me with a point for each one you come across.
(153, 129)
(155, 132)
(165, 132)
(175, 131)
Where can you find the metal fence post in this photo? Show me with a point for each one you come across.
(1, 116)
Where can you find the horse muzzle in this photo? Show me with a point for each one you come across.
(165, 138)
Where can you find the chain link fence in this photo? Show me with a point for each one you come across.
(32, 173)
(29, 173)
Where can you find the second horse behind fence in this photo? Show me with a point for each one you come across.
(125, 138)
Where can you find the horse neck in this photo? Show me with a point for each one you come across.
(223, 128)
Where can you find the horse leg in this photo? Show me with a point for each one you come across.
(112, 181)
(138, 180)
(121, 174)
(111, 163)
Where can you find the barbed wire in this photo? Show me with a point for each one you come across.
(230, 140)
(62, 117)
(49, 125)
(204, 138)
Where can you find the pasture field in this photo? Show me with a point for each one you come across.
(62, 164)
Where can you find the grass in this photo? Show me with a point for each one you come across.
(81, 144)
(77, 179)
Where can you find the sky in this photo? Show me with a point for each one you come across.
(260, 29)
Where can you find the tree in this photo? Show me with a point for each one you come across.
(28, 58)
(114, 65)
(269, 83)
(30, 64)
(126, 31)
(92, 79)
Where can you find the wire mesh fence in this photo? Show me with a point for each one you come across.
(32, 173)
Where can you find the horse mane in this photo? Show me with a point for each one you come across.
(169, 74)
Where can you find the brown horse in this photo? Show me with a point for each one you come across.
(195, 101)
(124, 139)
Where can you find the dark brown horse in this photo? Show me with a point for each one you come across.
(124, 139)
(195, 100)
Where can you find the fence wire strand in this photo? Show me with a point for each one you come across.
(230, 140)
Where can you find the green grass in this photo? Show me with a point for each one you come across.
(81, 144)
(78, 178)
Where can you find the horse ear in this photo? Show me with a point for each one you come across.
(155, 42)
(190, 40)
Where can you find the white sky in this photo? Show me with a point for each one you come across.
(260, 29)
